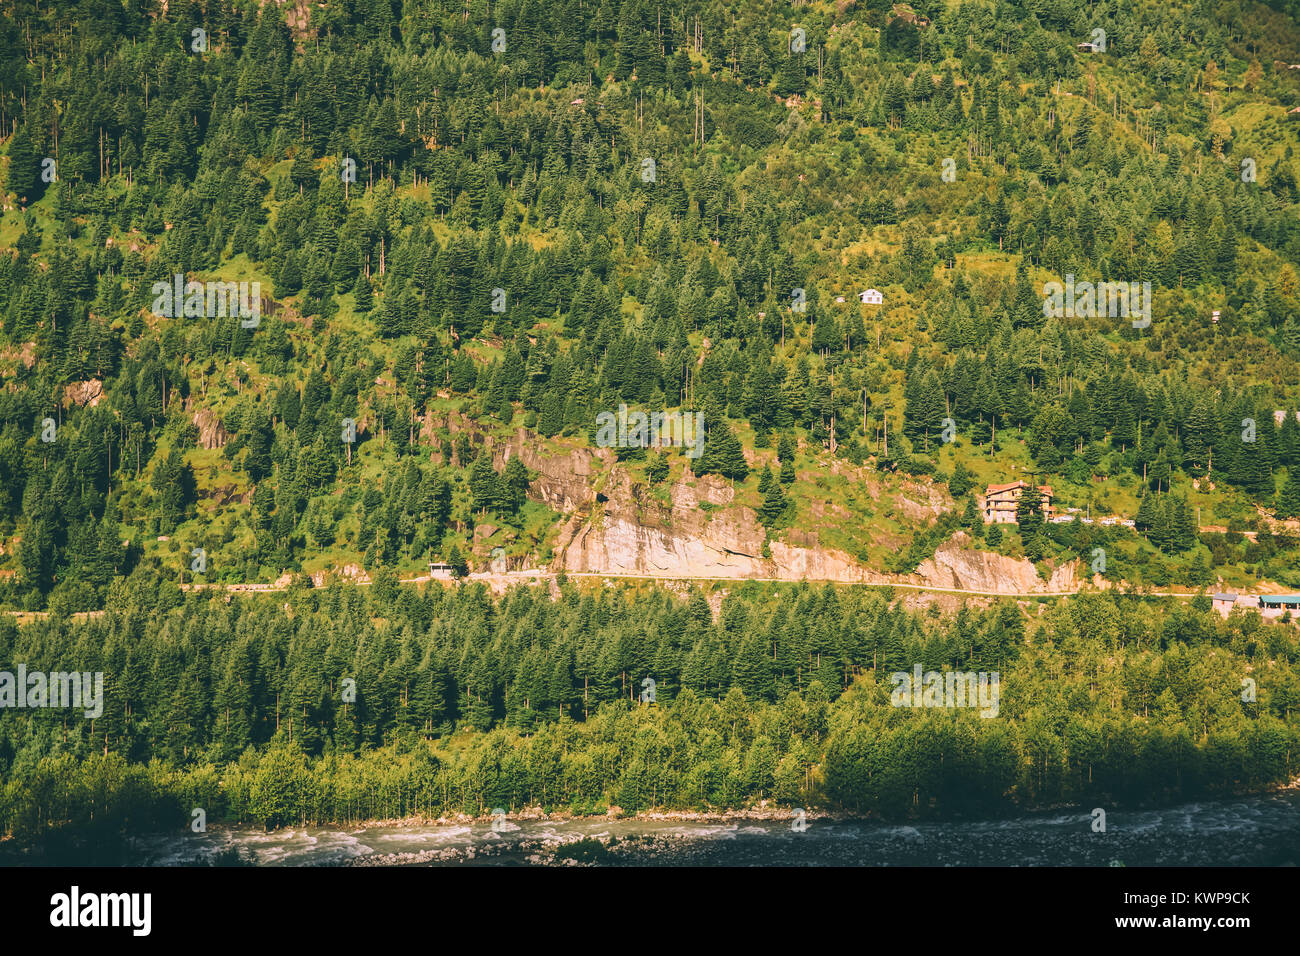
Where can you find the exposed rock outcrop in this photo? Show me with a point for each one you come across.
(83, 394)
(352, 573)
(212, 433)
(615, 525)
(956, 566)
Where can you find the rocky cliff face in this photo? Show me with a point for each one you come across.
(613, 525)
(212, 432)
(956, 565)
(630, 533)
(83, 394)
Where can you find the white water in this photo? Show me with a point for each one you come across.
(1260, 830)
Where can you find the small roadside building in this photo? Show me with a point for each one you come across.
(1223, 603)
(1275, 605)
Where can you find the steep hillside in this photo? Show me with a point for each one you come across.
(460, 230)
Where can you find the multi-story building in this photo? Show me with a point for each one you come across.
(999, 502)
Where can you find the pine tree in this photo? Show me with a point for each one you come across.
(1184, 531)
(303, 171)
(723, 454)
(791, 78)
(774, 504)
(1124, 431)
(752, 670)
(1290, 335)
(24, 168)
(1029, 511)
(657, 468)
(1146, 513)
(1288, 502)
(289, 281)
(362, 294)
(514, 484)
(1288, 441)
(1162, 526)
(484, 487)
(785, 452)
(551, 420)
(960, 482)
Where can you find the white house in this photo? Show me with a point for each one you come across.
(871, 297)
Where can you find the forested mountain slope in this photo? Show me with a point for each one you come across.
(463, 704)
(476, 231)
(526, 214)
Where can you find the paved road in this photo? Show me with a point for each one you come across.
(518, 577)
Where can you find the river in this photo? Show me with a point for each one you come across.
(1262, 830)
